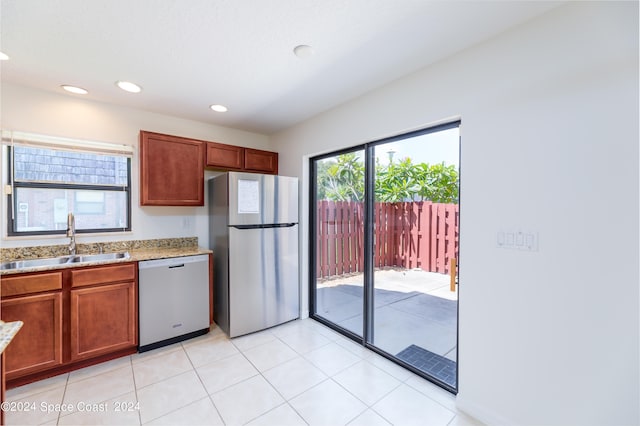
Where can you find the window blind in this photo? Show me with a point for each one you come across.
(15, 138)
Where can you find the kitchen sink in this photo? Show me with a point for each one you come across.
(30, 263)
(80, 258)
(62, 260)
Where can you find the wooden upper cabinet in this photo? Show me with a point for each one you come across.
(171, 170)
(231, 157)
(227, 157)
(260, 161)
(172, 167)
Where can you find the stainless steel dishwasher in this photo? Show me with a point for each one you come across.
(173, 300)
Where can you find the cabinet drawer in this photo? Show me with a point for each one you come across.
(12, 286)
(103, 274)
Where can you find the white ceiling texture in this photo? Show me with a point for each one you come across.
(189, 54)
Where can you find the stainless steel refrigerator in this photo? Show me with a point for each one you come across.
(253, 226)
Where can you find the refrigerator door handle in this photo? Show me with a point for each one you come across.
(272, 225)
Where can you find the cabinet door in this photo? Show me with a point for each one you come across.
(38, 345)
(171, 170)
(261, 161)
(103, 319)
(226, 157)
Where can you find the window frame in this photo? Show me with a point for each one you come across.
(12, 200)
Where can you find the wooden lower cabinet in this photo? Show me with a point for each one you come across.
(38, 346)
(72, 318)
(103, 319)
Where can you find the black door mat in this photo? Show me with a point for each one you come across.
(435, 365)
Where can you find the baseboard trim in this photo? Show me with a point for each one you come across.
(487, 417)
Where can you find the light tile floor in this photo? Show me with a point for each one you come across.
(298, 373)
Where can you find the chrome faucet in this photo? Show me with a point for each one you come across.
(71, 233)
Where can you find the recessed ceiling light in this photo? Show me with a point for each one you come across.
(303, 51)
(74, 89)
(4, 56)
(129, 87)
(218, 108)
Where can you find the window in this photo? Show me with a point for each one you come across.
(51, 178)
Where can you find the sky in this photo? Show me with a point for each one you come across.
(431, 148)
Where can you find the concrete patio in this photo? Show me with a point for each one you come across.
(412, 307)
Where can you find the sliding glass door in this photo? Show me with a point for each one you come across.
(415, 218)
(339, 220)
(386, 248)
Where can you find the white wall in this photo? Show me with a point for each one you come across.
(550, 144)
(36, 111)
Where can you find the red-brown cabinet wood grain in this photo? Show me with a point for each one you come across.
(38, 346)
(72, 318)
(103, 319)
(256, 160)
(171, 170)
(224, 157)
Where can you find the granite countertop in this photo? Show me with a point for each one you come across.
(8, 331)
(145, 250)
(163, 253)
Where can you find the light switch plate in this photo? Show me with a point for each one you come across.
(517, 239)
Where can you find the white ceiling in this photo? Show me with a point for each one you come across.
(189, 54)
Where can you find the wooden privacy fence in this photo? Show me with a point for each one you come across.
(418, 234)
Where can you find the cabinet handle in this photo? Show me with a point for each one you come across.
(177, 266)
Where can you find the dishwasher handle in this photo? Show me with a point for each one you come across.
(174, 262)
